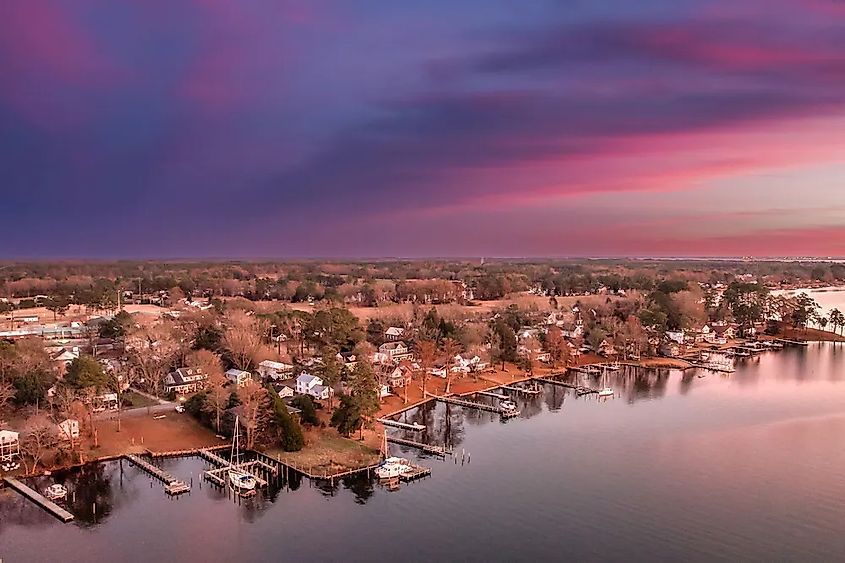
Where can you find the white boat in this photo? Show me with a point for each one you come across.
(508, 405)
(239, 479)
(393, 467)
(56, 492)
(606, 392)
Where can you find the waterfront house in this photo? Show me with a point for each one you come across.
(676, 336)
(670, 349)
(470, 365)
(395, 350)
(307, 384)
(396, 376)
(268, 369)
(185, 380)
(238, 376)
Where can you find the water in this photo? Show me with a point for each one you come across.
(739, 467)
(828, 298)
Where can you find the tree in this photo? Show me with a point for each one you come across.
(216, 395)
(502, 342)
(365, 392)
(331, 372)
(450, 348)
(837, 319)
(556, 346)
(427, 352)
(347, 417)
(805, 310)
(116, 327)
(7, 395)
(39, 437)
(151, 350)
(84, 372)
(747, 302)
(255, 409)
(307, 410)
(243, 339)
(289, 430)
(58, 305)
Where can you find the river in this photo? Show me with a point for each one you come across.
(746, 466)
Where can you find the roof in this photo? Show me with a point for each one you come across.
(237, 373)
(7, 436)
(391, 345)
(394, 331)
(182, 376)
(275, 365)
(308, 379)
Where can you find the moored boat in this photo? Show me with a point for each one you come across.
(606, 392)
(56, 492)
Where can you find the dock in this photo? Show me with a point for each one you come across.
(403, 425)
(480, 406)
(523, 390)
(788, 341)
(441, 451)
(172, 485)
(579, 389)
(40, 500)
(253, 467)
(185, 453)
(491, 394)
(417, 472)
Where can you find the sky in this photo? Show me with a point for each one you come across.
(288, 128)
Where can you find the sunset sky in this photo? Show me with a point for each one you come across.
(268, 128)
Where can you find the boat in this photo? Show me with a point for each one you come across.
(508, 405)
(393, 467)
(606, 392)
(56, 492)
(239, 479)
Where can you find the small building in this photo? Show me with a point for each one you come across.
(185, 380)
(238, 376)
(285, 390)
(10, 447)
(68, 429)
(268, 369)
(394, 334)
(307, 384)
(65, 356)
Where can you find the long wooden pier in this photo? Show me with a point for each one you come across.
(788, 341)
(172, 485)
(523, 390)
(40, 500)
(404, 425)
(491, 394)
(186, 453)
(442, 451)
(472, 404)
(579, 389)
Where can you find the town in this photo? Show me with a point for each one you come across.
(308, 361)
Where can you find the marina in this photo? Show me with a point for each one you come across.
(173, 486)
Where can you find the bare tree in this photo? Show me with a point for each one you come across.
(427, 352)
(7, 394)
(243, 339)
(254, 402)
(451, 348)
(217, 397)
(151, 350)
(39, 437)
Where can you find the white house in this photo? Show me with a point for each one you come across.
(469, 365)
(69, 429)
(395, 350)
(268, 369)
(676, 336)
(238, 376)
(307, 384)
(185, 380)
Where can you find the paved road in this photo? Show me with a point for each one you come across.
(163, 406)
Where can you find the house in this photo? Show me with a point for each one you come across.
(185, 380)
(69, 429)
(65, 356)
(395, 351)
(105, 402)
(670, 349)
(607, 349)
(535, 354)
(238, 376)
(676, 336)
(396, 376)
(394, 334)
(268, 369)
(285, 391)
(572, 330)
(307, 384)
(10, 447)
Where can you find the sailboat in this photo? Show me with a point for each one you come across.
(240, 480)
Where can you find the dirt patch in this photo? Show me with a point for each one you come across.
(141, 433)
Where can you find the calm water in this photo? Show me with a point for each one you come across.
(828, 298)
(745, 467)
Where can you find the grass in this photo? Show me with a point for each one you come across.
(134, 400)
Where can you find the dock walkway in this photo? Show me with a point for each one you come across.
(442, 451)
(523, 390)
(173, 486)
(403, 425)
(40, 500)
